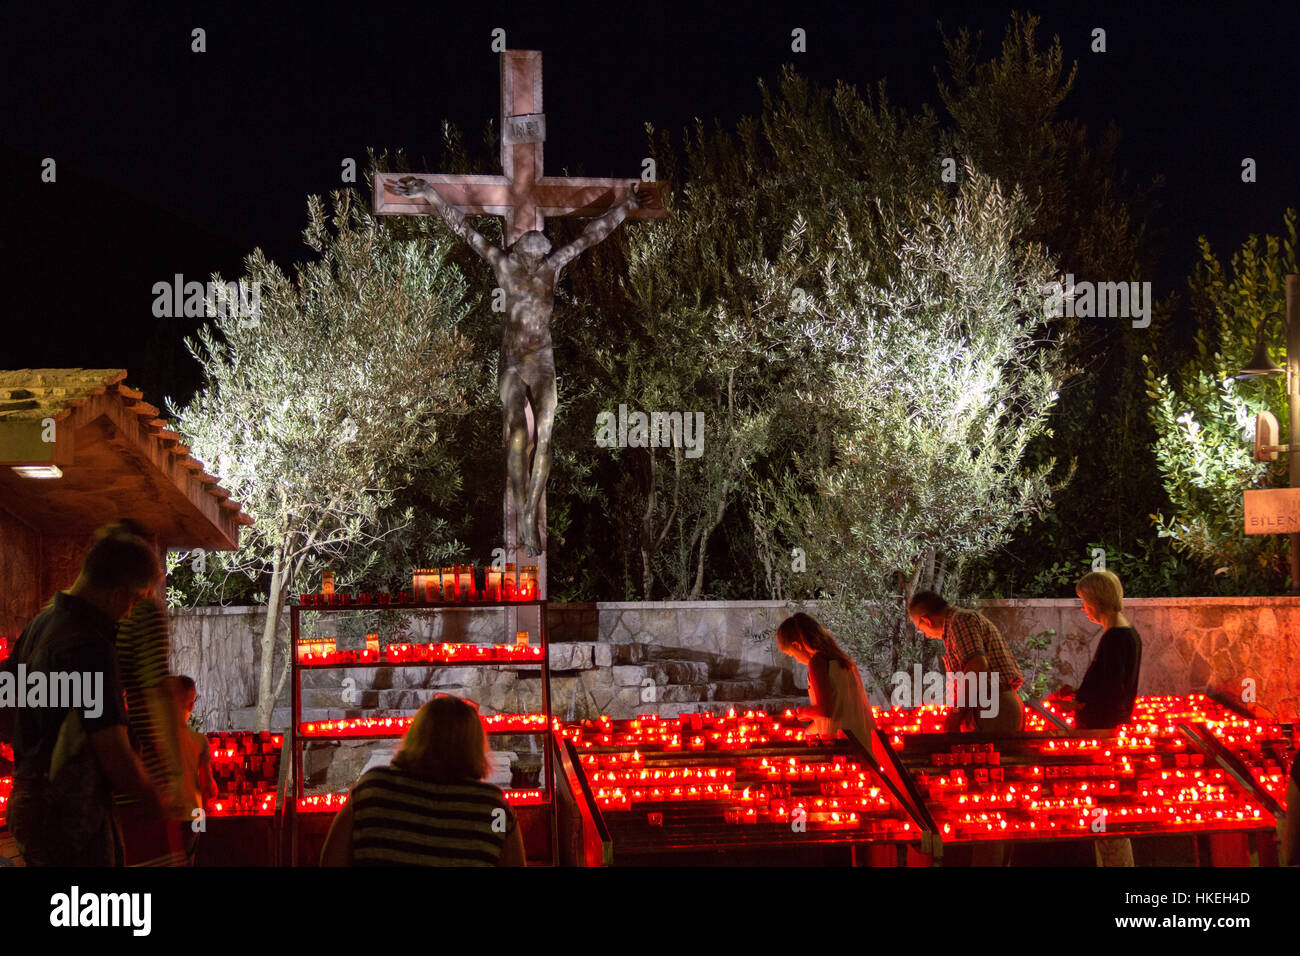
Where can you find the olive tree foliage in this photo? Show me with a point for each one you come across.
(319, 409)
(1204, 416)
(940, 372)
(707, 315)
(1010, 114)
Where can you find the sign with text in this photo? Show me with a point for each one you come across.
(1273, 511)
(528, 128)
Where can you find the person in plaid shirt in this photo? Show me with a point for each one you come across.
(971, 643)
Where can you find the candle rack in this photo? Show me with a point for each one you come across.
(754, 785)
(655, 788)
(434, 655)
(246, 769)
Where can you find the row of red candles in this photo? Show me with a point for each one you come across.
(323, 653)
(1157, 797)
(236, 742)
(259, 803)
(396, 726)
(836, 819)
(1032, 811)
(694, 732)
(998, 825)
(457, 585)
(329, 802)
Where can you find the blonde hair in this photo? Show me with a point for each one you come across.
(446, 742)
(805, 629)
(1103, 589)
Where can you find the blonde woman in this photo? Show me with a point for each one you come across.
(838, 700)
(1105, 697)
(430, 806)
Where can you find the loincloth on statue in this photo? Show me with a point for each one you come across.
(533, 368)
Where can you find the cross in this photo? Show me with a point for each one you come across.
(524, 195)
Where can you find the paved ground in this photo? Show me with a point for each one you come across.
(9, 850)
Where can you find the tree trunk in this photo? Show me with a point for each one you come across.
(647, 531)
(266, 691)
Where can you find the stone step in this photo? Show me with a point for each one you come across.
(661, 672)
(738, 690)
(625, 653)
(398, 678)
(377, 700)
(665, 652)
(245, 718)
(335, 767)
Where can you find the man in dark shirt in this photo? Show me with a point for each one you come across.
(68, 759)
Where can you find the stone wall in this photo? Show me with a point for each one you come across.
(1188, 644)
(629, 658)
(617, 659)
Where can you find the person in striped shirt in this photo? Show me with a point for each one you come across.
(430, 806)
(143, 648)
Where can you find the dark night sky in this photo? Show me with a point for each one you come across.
(171, 161)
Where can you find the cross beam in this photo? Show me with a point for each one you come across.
(523, 196)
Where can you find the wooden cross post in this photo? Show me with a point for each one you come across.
(525, 197)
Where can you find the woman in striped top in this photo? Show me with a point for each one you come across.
(430, 806)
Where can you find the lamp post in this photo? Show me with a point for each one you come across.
(1261, 364)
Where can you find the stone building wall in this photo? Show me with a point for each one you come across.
(627, 658)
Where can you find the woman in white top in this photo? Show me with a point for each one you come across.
(838, 701)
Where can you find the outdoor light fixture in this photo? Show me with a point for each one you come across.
(39, 471)
(1260, 363)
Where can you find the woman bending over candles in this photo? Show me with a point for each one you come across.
(838, 700)
(430, 806)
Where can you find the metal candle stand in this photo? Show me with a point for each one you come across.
(298, 738)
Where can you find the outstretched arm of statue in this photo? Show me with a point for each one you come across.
(638, 195)
(412, 187)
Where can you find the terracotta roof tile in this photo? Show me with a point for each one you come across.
(34, 394)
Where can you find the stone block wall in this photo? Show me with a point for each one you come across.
(624, 659)
(1189, 644)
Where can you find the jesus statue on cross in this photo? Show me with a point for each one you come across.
(527, 273)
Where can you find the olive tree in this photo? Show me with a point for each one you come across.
(321, 405)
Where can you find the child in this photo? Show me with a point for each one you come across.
(197, 785)
(838, 701)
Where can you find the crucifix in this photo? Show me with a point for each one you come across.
(527, 272)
